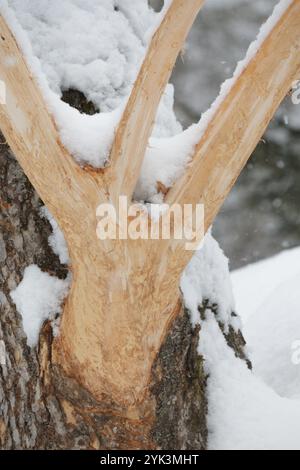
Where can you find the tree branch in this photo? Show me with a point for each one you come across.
(33, 137)
(137, 122)
(238, 124)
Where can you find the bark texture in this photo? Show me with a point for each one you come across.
(41, 408)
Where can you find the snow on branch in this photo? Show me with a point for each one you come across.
(27, 124)
(231, 129)
(132, 136)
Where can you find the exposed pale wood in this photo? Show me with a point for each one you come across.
(137, 123)
(125, 294)
(29, 128)
(238, 124)
(40, 407)
(116, 315)
(32, 135)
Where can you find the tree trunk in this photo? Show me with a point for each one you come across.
(41, 408)
(124, 372)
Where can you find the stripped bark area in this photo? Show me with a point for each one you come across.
(124, 371)
(41, 408)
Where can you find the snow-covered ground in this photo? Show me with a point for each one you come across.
(259, 409)
(268, 300)
(255, 284)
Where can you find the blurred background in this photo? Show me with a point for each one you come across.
(261, 217)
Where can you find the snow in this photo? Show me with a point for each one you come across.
(227, 86)
(249, 410)
(244, 413)
(51, 32)
(257, 410)
(207, 278)
(254, 284)
(271, 333)
(102, 46)
(270, 311)
(103, 67)
(164, 162)
(56, 240)
(38, 297)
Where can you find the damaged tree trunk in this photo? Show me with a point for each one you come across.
(124, 371)
(43, 409)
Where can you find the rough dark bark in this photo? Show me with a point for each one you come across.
(24, 411)
(79, 101)
(40, 408)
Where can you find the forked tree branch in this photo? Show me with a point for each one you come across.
(132, 136)
(122, 301)
(238, 124)
(116, 315)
